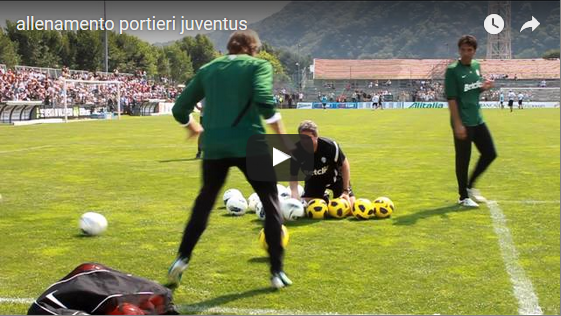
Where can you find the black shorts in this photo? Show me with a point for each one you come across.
(510, 103)
(317, 190)
(519, 102)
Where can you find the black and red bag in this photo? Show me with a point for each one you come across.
(95, 289)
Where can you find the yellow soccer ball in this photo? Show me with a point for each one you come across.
(316, 209)
(383, 207)
(363, 209)
(338, 208)
(284, 238)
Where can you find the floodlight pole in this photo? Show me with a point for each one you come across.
(105, 40)
(298, 64)
(65, 93)
(119, 101)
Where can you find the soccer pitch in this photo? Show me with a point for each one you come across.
(430, 257)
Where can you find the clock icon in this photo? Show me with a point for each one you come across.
(494, 24)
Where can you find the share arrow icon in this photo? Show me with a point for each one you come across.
(533, 24)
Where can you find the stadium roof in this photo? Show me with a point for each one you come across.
(345, 69)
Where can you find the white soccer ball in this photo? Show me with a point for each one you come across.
(252, 202)
(292, 209)
(236, 205)
(300, 190)
(283, 192)
(92, 223)
(260, 211)
(231, 193)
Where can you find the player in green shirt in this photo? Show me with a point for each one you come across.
(237, 89)
(463, 84)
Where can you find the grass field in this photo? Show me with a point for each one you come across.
(430, 257)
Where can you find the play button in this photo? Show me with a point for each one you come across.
(270, 157)
(279, 156)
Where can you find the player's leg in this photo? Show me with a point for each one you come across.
(484, 143)
(268, 195)
(462, 149)
(314, 190)
(214, 175)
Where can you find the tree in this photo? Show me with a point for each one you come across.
(128, 53)
(67, 50)
(8, 51)
(277, 67)
(89, 50)
(163, 64)
(552, 53)
(28, 43)
(199, 48)
(180, 63)
(50, 48)
(203, 51)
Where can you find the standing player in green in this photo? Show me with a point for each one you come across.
(237, 89)
(463, 84)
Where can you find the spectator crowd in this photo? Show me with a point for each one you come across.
(32, 84)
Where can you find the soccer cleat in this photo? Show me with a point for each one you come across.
(468, 203)
(284, 278)
(280, 280)
(475, 195)
(176, 271)
(276, 282)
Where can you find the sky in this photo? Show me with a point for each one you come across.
(252, 11)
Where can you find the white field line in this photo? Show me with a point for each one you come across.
(11, 300)
(532, 201)
(522, 286)
(24, 149)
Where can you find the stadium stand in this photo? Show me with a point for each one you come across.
(45, 84)
(409, 69)
(422, 79)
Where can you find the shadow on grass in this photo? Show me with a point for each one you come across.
(412, 219)
(204, 306)
(299, 222)
(178, 160)
(259, 260)
(81, 235)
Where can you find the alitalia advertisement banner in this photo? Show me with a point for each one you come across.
(425, 105)
(418, 105)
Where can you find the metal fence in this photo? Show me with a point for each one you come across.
(55, 72)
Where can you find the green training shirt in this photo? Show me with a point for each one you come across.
(228, 84)
(463, 83)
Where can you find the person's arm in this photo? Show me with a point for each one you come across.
(185, 104)
(342, 164)
(346, 174)
(487, 84)
(451, 90)
(459, 128)
(294, 190)
(263, 97)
